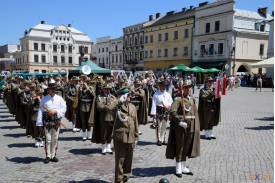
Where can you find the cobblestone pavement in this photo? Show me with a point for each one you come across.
(243, 151)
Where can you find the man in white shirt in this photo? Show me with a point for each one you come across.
(161, 104)
(52, 109)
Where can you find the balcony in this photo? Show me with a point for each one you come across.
(132, 62)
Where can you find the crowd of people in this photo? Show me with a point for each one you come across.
(107, 109)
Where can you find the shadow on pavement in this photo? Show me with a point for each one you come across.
(145, 143)
(85, 151)
(269, 127)
(153, 171)
(265, 118)
(9, 127)
(15, 135)
(62, 130)
(25, 160)
(70, 138)
(89, 181)
(21, 145)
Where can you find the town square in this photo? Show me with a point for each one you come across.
(176, 91)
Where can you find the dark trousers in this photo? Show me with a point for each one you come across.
(84, 117)
(108, 129)
(123, 160)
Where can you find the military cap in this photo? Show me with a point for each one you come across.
(122, 91)
(163, 180)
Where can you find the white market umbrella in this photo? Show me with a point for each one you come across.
(264, 63)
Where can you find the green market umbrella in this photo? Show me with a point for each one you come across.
(94, 68)
(197, 69)
(180, 67)
(213, 70)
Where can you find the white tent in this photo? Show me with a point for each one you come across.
(264, 63)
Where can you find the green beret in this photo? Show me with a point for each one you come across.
(122, 91)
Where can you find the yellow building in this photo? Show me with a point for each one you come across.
(168, 41)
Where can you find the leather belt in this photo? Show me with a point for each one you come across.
(86, 100)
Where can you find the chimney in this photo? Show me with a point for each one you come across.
(183, 9)
(191, 7)
(272, 14)
(150, 17)
(42, 22)
(263, 11)
(203, 4)
(170, 13)
(25, 32)
(69, 25)
(157, 15)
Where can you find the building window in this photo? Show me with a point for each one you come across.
(141, 55)
(217, 26)
(185, 51)
(115, 47)
(56, 38)
(55, 59)
(146, 39)
(146, 54)
(159, 52)
(151, 53)
(35, 46)
(116, 58)
(176, 35)
(54, 48)
(141, 40)
(43, 59)
(203, 51)
(70, 60)
(160, 37)
(98, 50)
(166, 52)
(220, 48)
(36, 58)
(62, 48)
(262, 27)
(207, 28)
(166, 36)
(175, 52)
(211, 49)
(43, 47)
(86, 50)
(68, 39)
(70, 48)
(151, 39)
(102, 50)
(106, 49)
(261, 49)
(186, 33)
(62, 60)
(136, 40)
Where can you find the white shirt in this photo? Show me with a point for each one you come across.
(160, 99)
(51, 103)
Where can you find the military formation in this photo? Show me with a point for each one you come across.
(108, 110)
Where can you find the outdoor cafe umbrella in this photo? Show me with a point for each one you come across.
(197, 69)
(180, 67)
(212, 70)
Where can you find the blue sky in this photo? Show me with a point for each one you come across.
(95, 17)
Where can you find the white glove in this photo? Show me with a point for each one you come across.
(183, 124)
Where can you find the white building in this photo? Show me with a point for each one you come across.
(101, 50)
(49, 48)
(270, 50)
(228, 38)
(116, 53)
(108, 52)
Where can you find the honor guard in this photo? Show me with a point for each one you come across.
(105, 116)
(86, 110)
(72, 101)
(209, 109)
(161, 104)
(52, 109)
(184, 134)
(125, 135)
